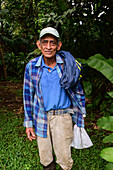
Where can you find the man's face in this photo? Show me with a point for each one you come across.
(49, 45)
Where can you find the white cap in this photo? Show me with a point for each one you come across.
(49, 30)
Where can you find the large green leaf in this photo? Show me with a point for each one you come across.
(103, 65)
(110, 93)
(111, 108)
(107, 154)
(109, 166)
(108, 138)
(106, 123)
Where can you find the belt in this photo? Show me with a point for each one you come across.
(60, 111)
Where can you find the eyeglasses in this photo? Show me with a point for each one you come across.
(52, 43)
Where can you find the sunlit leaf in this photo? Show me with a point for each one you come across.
(107, 154)
(103, 65)
(110, 93)
(106, 123)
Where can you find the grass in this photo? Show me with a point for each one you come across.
(18, 92)
(18, 153)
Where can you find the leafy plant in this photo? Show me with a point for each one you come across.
(105, 67)
(106, 123)
(111, 93)
(102, 65)
(15, 64)
(87, 87)
(97, 83)
(107, 153)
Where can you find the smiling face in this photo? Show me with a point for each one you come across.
(49, 45)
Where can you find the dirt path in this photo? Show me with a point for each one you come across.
(11, 97)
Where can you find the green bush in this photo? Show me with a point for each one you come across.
(107, 153)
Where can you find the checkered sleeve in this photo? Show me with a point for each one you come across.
(28, 95)
(78, 103)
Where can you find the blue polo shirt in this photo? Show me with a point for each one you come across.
(54, 96)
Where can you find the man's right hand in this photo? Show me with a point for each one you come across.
(30, 133)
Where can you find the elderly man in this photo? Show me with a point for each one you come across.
(53, 98)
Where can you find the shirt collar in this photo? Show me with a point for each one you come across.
(41, 63)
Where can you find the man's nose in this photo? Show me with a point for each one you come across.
(48, 45)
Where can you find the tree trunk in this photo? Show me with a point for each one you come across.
(1, 48)
(3, 61)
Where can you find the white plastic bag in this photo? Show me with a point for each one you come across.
(80, 139)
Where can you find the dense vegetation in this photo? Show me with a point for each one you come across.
(86, 29)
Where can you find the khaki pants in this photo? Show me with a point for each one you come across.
(60, 136)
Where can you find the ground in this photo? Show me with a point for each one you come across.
(11, 96)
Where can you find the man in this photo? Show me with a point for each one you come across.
(52, 99)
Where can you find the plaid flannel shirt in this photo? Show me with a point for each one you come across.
(33, 100)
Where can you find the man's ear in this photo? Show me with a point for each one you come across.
(38, 44)
(59, 45)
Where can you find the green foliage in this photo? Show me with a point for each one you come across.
(108, 138)
(96, 86)
(105, 67)
(106, 123)
(87, 87)
(36, 51)
(15, 64)
(106, 106)
(85, 27)
(110, 93)
(18, 92)
(109, 166)
(107, 154)
(102, 65)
